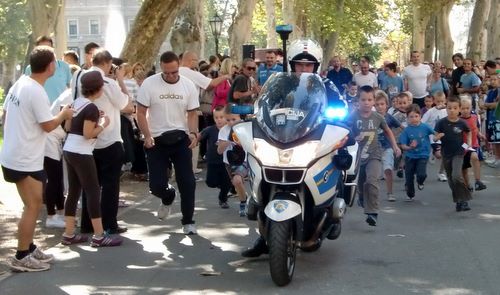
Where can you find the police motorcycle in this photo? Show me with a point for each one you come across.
(298, 165)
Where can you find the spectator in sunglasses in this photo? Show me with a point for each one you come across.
(244, 89)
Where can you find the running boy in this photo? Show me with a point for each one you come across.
(431, 117)
(429, 103)
(403, 102)
(381, 100)
(365, 123)
(471, 158)
(225, 144)
(415, 142)
(451, 131)
(216, 170)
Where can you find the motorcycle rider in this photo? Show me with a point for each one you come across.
(305, 56)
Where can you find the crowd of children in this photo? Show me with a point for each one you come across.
(446, 129)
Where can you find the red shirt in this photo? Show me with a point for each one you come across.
(474, 130)
(220, 94)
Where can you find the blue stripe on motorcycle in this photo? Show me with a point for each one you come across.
(327, 178)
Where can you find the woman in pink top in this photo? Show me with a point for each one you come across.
(221, 90)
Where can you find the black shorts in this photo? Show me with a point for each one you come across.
(467, 164)
(15, 176)
(436, 147)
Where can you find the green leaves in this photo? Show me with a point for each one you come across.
(14, 29)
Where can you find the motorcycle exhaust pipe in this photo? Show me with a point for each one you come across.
(338, 208)
(314, 239)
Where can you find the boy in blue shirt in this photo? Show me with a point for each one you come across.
(417, 146)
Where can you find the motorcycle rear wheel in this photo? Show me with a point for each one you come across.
(282, 251)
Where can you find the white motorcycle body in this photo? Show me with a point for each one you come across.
(293, 167)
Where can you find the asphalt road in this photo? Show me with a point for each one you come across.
(423, 247)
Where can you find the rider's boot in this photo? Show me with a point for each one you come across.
(258, 248)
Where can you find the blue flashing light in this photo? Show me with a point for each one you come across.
(333, 113)
(242, 109)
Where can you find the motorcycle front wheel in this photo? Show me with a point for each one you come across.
(282, 251)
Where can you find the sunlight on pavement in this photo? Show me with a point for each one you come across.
(489, 217)
(454, 291)
(187, 241)
(206, 291)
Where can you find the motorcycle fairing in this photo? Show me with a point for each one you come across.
(322, 179)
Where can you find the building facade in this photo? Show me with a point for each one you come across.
(98, 21)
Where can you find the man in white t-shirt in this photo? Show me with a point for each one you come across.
(167, 105)
(108, 152)
(188, 64)
(27, 120)
(365, 77)
(415, 78)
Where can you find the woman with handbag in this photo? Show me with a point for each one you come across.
(436, 82)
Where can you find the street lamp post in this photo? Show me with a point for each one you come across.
(215, 27)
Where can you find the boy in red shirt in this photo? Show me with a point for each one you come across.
(471, 158)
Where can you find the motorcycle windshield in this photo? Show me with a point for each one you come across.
(290, 105)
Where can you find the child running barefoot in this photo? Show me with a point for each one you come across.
(230, 149)
(365, 124)
(381, 100)
(471, 158)
(415, 142)
(451, 131)
(216, 170)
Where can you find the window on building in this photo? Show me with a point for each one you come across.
(72, 28)
(94, 27)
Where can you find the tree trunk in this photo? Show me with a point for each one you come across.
(420, 20)
(45, 15)
(493, 30)
(430, 38)
(187, 32)
(8, 72)
(299, 13)
(272, 37)
(289, 18)
(239, 31)
(475, 42)
(330, 43)
(444, 42)
(151, 26)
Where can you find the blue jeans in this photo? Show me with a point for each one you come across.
(414, 166)
(159, 157)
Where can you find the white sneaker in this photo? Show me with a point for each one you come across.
(494, 164)
(28, 263)
(55, 221)
(40, 256)
(391, 198)
(442, 177)
(189, 229)
(164, 211)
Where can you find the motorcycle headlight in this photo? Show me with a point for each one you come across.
(299, 156)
